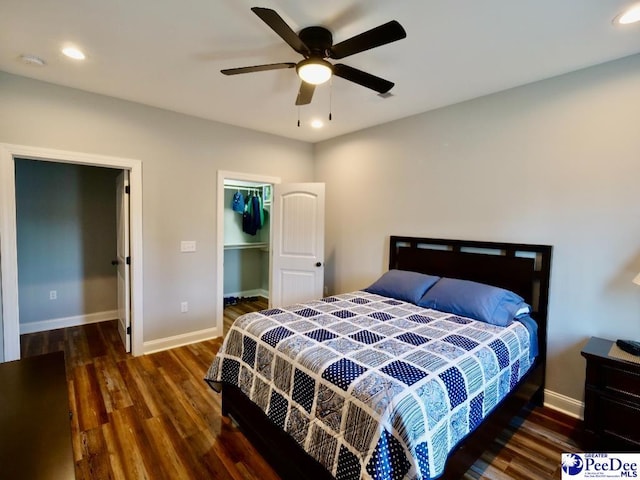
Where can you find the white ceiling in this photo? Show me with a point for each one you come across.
(169, 53)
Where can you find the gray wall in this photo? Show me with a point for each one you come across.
(180, 158)
(245, 270)
(556, 162)
(66, 226)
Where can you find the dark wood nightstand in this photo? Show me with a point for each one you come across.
(35, 430)
(611, 400)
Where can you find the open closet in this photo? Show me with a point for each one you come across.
(247, 209)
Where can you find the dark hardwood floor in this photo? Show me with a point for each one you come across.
(153, 417)
(231, 312)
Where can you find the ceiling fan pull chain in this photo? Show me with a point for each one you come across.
(298, 116)
(330, 96)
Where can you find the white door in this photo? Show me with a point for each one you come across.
(297, 267)
(123, 259)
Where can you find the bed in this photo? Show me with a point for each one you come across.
(376, 408)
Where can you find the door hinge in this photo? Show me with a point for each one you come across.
(126, 189)
(129, 330)
(128, 260)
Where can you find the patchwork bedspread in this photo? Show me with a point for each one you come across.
(370, 386)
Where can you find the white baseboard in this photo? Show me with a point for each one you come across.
(567, 405)
(166, 343)
(259, 292)
(75, 321)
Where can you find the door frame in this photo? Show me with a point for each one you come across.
(222, 176)
(8, 235)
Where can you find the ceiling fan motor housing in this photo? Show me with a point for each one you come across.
(318, 39)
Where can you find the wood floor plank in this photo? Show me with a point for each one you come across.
(73, 417)
(115, 460)
(178, 451)
(95, 341)
(135, 448)
(114, 390)
(154, 417)
(142, 372)
(95, 461)
(239, 457)
(77, 347)
(89, 401)
(143, 404)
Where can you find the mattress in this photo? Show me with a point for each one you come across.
(370, 386)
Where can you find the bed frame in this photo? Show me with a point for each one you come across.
(524, 269)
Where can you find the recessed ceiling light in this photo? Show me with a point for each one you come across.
(317, 123)
(32, 60)
(73, 52)
(631, 15)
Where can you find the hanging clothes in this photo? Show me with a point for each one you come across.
(256, 212)
(261, 211)
(248, 226)
(237, 204)
(253, 214)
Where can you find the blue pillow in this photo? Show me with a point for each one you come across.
(403, 285)
(479, 301)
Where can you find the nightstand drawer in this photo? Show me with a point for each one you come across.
(619, 419)
(611, 400)
(620, 381)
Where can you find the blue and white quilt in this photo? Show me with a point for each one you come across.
(370, 386)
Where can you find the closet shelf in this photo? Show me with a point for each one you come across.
(238, 246)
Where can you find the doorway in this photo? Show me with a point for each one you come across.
(242, 254)
(247, 247)
(66, 238)
(8, 236)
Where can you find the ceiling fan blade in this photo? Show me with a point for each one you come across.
(305, 94)
(381, 35)
(365, 79)
(278, 25)
(257, 68)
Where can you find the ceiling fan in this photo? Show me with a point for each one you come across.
(315, 44)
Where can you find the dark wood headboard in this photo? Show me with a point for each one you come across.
(522, 268)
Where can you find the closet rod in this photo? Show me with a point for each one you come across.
(243, 187)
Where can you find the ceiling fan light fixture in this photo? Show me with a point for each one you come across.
(314, 70)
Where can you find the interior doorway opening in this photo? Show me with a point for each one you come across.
(247, 247)
(244, 251)
(66, 239)
(246, 239)
(8, 236)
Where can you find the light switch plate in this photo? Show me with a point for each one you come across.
(188, 246)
